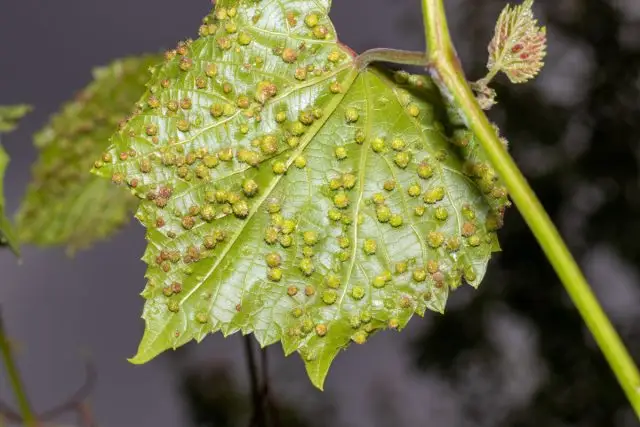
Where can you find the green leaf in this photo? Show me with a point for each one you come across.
(9, 117)
(291, 194)
(65, 204)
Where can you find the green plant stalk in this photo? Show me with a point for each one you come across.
(19, 392)
(448, 74)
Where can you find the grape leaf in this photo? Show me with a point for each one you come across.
(64, 204)
(288, 193)
(9, 117)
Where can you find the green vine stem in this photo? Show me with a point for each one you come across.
(19, 392)
(446, 70)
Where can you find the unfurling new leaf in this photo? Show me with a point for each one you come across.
(518, 46)
(9, 117)
(291, 194)
(65, 204)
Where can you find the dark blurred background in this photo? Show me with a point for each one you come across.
(514, 353)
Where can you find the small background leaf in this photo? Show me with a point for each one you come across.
(9, 117)
(291, 195)
(65, 204)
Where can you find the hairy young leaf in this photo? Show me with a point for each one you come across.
(518, 46)
(64, 204)
(290, 194)
(9, 117)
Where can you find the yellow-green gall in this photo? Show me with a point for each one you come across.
(383, 213)
(300, 73)
(320, 32)
(357, 292)
(359, 337)
(173, 306)
(306, 266)
(435, 239)
(216, 110)
(243, 102)
(396, 220)
(273, 259)
(329, 296)
(414, 190)
(269, 144)
(335, 184)
(241, 209)
(297, 312)
(348, 181)
(401, 267)
(307, 251)
(344, 242)
(298, 129)
(274, 274)
(279, 168)
(419, 274)
(379, 282)
(354, 321)
(474, 240)
(208, 213)
(413, 110)
(288, 226)
(300, 162)
(334, 215)
(333, 281)
(250, 187)
(311, 20)
(183, 125)
(281, 116)
(453, 244)
(244, 38)
(469, 274)
(341, 200)
(378, 198)
(334, 55)
(402, 159)
(378, 145)
(351, 115)
(335, 87)
(211, 70)
(310, 237)
(340, 153)
(441, 214)
(286, 241)
(398, 144)
(202, 318)
(306, 118)
(394, 323)
(370, 246)
(434, 195)
(226, 154)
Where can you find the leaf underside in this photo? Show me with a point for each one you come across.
(9, 117)
(64, 204)
(292, 195)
